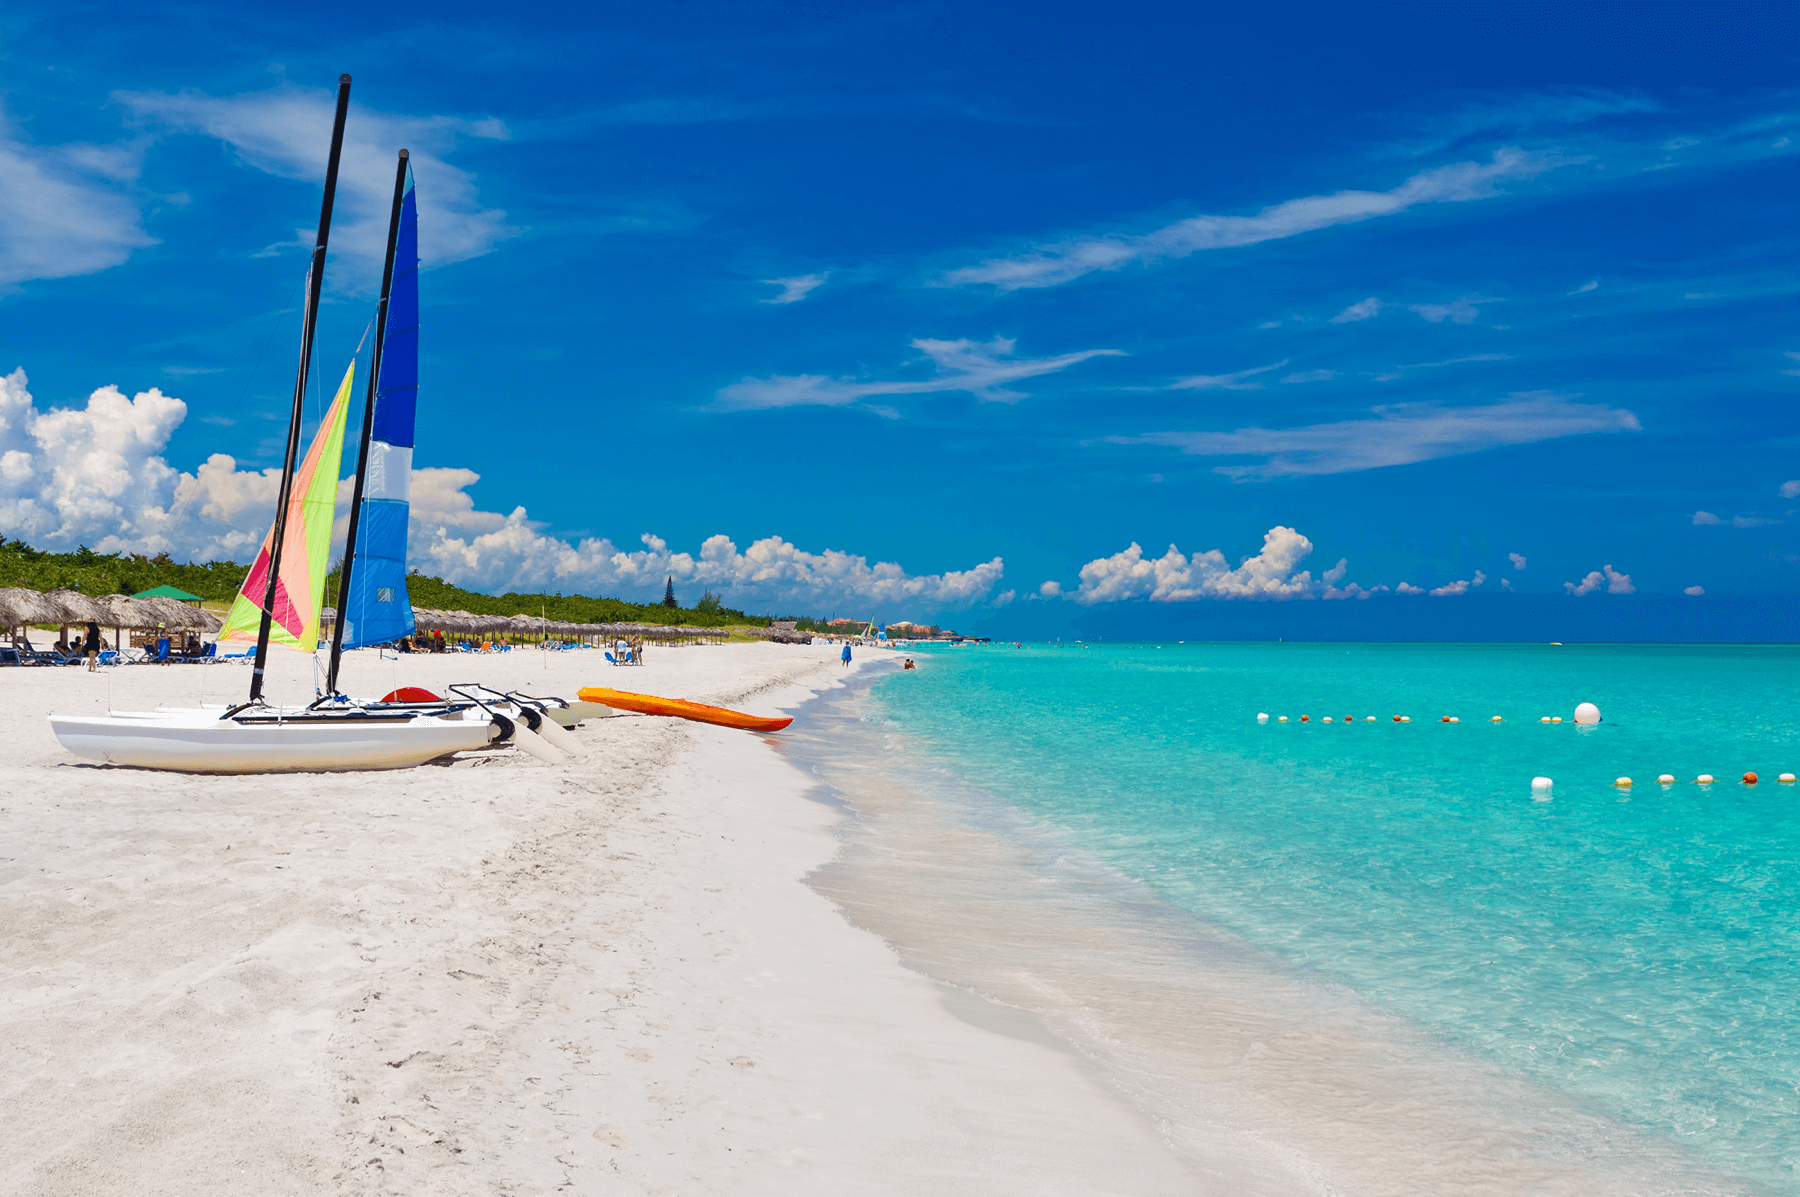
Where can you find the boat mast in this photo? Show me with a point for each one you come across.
(315, 279)
(362, 461)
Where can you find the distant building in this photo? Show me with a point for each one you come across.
(851, 624)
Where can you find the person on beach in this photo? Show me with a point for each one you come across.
(92, 646)
(162, 645)
(846, 653)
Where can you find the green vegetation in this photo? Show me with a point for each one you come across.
(218, 581)
(121, 573)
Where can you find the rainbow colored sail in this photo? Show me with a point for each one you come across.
(306, 547)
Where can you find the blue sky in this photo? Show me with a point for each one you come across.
(960, 303)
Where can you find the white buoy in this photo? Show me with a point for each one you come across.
(1541, 783)
(1786, 779)
(1624, 783)
(1406, 718)
(1556, 718)
(1454, 719)
(1281, 719)
(1665, 779)
(1262, 716)
(1544, 719)
(1496, 719)
(1372, 719)
(1704, 779)
(1327, 719)
(1587, 712)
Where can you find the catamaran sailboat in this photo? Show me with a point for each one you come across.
(282, 596)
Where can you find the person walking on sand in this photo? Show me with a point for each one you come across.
(92, 646)
(846, 654)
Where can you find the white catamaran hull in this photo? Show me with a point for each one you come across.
(199, 741)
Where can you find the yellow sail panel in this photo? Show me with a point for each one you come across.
(305, 549)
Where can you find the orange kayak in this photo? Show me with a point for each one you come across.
(681, 708)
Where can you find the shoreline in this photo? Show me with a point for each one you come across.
(494, 975)
(1254, 1069)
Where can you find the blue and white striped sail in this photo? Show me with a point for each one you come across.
(378, 609)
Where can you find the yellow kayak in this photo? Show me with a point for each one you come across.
(681, 708)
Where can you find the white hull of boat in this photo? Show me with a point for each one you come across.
(199, 741)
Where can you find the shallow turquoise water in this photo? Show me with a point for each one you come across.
(1639, 950)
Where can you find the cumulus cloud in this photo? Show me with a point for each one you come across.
(1789, 490)
(981, 369)
(1460, 587)
(1066, 260)
(1272, 573)
(1050, 590)
(793, 290)
(1518, 560)
(65, 210)
(1408, 588)
(1399, 434)
(1695, 591)
(96, 476)
(1361, 310)
(286, 132)
(1711, 519)
(1611, 579)
(1506, 584)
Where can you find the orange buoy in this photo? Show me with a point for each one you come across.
(1749, 779)
(1443, 718)
(1396, 718)
(1304, 718)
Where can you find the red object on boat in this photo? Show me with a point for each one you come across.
(412, 694)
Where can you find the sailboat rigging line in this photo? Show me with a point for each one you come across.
(309, 321)
(181, 508)
(368, 430)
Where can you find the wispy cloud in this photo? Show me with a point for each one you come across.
(1399, 434)
(1457, 311)
(1517, 559)
(1789, 489)
(1364, 309)
(1400, 371)
(1225, 382)
(793, 290)
(1311, 376)
(287, 132)
(982, 369)
(1064, 261)
(65, 210)
(1590, 285)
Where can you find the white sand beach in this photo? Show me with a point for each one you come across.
(495, 975)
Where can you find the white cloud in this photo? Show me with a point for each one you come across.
(1173, 578)
(1311, 376)
(65, 210)
(1005, 597)
(981, 369)
(1615, 583)
(1064, 261)
(1506, 584)
(1590, 285)
(1795, 356)
(287, 132)
(1709, 519)
(1051, 590)
(1696, 591)
(1517, 559)
(1457, 311)
(1225, 382)
(793, 290)
(1361, 310)
(96, 476)
(1460, 587)
(1408, 588)
(1397, 435)
(1789, 490)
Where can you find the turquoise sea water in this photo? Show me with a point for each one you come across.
(1636, 950)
